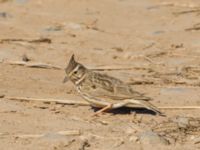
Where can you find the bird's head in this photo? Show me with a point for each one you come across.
(74, 71)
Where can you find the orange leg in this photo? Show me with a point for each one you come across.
(102, 110)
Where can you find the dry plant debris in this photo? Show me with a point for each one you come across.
(40, 40)
(179, 128)
(25, 136)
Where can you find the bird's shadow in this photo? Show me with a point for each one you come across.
(127, 110)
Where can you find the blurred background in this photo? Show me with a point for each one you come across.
(151, 44)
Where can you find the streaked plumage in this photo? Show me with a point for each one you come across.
(101, 90)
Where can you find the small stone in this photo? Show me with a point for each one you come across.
(2, 95)
(25, 58)
(85, 143)
(182, 122)
(115, 57)
(103, 122)
(5, 15)
(133, 139)
(118, 49)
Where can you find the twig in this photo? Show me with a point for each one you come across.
(187, 11)
(141, 82)
(33, 64)
(179, 107)
(104, 137)
(151, 61)
(197, 141)
(192, 29)
(182, 55)
(149, 46)
(147, 59)
(69, 132)
(84, 103)
(58, 101)
(179, 4)
(40, 40)
(111, 67)
(169, 4)
(195, 27)
(24, 136)
(49, 66)
(64, 133)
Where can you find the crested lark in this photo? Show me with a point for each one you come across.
(104, 91)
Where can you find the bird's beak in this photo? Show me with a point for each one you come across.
(65, 79)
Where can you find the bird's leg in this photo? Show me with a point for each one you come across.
(112, 106)
(103, 109)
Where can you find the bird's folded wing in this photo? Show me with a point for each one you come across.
(119, 92)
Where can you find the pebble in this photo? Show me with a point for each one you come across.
(133, 139)
(5, 15)
(2, 95)
(182, 122)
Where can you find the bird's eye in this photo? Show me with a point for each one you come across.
(75, 72)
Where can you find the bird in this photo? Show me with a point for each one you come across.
(103, 91)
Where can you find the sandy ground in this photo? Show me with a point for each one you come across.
(158, 39)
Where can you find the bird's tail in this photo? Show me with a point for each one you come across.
(148, 105)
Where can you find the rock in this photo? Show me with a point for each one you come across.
(25, 58)
(152, 138)
(5, 15)
(2, 95)
(182, 122)
(133, 139)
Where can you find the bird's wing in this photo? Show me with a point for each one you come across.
(114, 92)
(126, 91)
